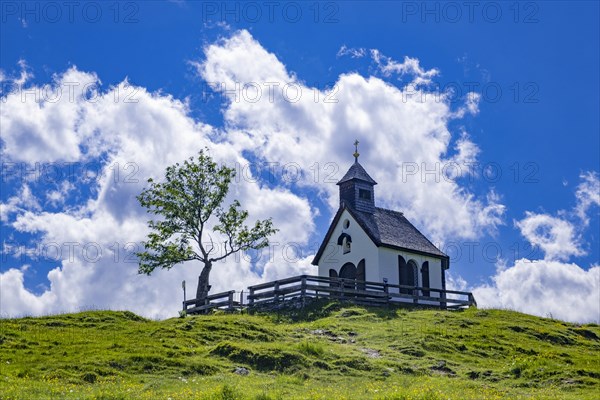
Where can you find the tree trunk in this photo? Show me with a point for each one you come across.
(203, 286)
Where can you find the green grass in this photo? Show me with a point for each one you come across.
(327, 351)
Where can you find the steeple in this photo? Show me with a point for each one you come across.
(357, 187)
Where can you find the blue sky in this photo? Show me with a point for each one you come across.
(525, 106)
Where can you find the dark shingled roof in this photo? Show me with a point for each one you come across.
(357, 171)
(391, 228)
(386, 228)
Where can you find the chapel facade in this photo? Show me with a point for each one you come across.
(368, 243)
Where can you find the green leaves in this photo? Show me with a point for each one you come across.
(191, 193)
(240, 237)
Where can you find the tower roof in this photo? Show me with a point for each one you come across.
(357, 171)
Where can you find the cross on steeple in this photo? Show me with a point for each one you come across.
(356, 153)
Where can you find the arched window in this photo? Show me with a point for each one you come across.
(413, 271)
(425, 277)
(407, 272)
(361, 274)
(333, 274)
(345, 241)
(347, 247)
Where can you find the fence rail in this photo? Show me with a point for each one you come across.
(224, 300)
(305, 287)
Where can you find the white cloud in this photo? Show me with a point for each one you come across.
(57, 197)
(551, 286)
(40, 123)
(410, 66)
(25, 74)
(398, 129)
(388, 66)
(352, 52)
(473, 100)
(471, 105)
(587, 195)
(15, 300)
(560, 237)
(556, 237)
(140, 138)
(545, 288)
(25, 200)
(455, 282)
(465, 157)
(92, 243)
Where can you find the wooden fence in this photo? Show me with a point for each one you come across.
(303, 287)
(224, 300)
(368, 293)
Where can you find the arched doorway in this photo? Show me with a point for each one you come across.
(348, 271)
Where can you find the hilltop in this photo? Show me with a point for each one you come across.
(328, 351)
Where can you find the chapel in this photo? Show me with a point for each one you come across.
(369, 243)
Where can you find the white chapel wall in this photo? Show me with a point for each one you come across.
(388, 267)
(362, 247)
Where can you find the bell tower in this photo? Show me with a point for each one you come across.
(357, 187)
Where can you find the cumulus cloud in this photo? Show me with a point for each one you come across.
(556, 237)
(40, 123)
(403, 134)
(92, 242)
(545, 288)
(133, 134)
(552, 286)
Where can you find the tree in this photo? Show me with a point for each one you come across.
(190, 195)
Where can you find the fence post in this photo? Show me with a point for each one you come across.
(206, 303)
(303, 290)
(472, 302)
(231, 300)
(275, 292)
(415, 293)
(443, 299)
(386, 290)
(250, 297)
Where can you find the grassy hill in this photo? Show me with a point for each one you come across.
(329, 351)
